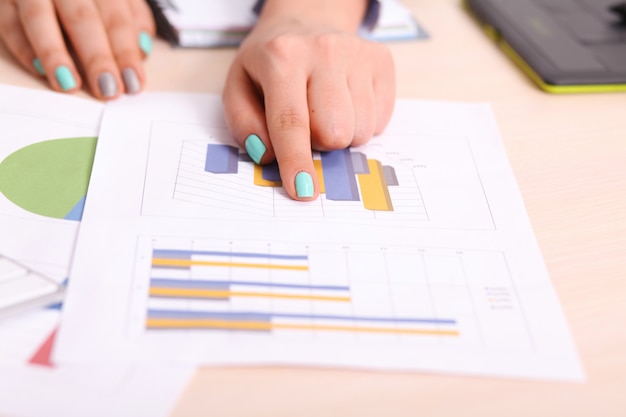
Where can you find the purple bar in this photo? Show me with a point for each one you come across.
(359, 163)
(221, 159)
(262, 316)
(390, 175)
(270, 172)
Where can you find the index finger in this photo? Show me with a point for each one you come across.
(288, 124)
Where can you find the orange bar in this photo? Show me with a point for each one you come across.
(187, 262)
(320, 175)
(254, 325)
(375, 193)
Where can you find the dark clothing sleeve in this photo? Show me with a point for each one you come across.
(370, 20)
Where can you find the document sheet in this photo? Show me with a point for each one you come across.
(418, 254)
(46, 151)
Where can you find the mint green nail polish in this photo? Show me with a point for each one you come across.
(65, 78)
(39, 67)
(304, 185)
(255, 148)
(145, 42)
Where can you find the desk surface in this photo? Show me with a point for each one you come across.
(569, 156)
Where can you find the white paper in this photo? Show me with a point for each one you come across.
(22, 336)
(44, 390)
(34, 124)
(206, 24)
(97, 391)
(37, 128)
(443, 274)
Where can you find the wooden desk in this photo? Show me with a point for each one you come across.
(569, 156)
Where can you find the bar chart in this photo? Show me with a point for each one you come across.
(198, 172)
(266, 288)
(417, 255)
(350, 181)
(281, 289)
(338, 172)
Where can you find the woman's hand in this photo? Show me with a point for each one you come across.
(295, 86)
(99, 42)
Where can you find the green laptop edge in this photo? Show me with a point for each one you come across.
(493, 34)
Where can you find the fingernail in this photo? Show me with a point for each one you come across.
(65, 78)
(145, 42)
(39, 67)
(304, 185)
(131, 81)
(255, 148)
(107, 84)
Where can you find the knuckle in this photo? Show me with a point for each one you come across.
(30, 11)
(125, 57)
(98, 61)
(363, 134)
(116, 20)
(333, 46)
(80, 13)
(282, 47)
(289, 118)
(328, 41)
(335, 137)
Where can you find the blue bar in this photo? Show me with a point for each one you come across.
(187, 254)
(339, 176)
(246, 317)
(242, 315)
(182, 283)
(171, 254)
(221, 159)
(187, 284)
(270, 172)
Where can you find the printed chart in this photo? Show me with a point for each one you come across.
(418, 254)
(210, 177)
(49, 178)
(46, 154)
(227, 289)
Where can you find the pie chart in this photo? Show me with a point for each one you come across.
(49, 178)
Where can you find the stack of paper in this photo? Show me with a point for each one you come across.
(45, 159)
(418, 254)
(200, 24)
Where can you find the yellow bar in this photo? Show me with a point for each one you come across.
(258, 178)
(187, 262)
(254, 325)
(207, 293)
(320, 175)
(374, 189)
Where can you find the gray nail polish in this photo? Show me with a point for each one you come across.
(131, 81)
(107, 84)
